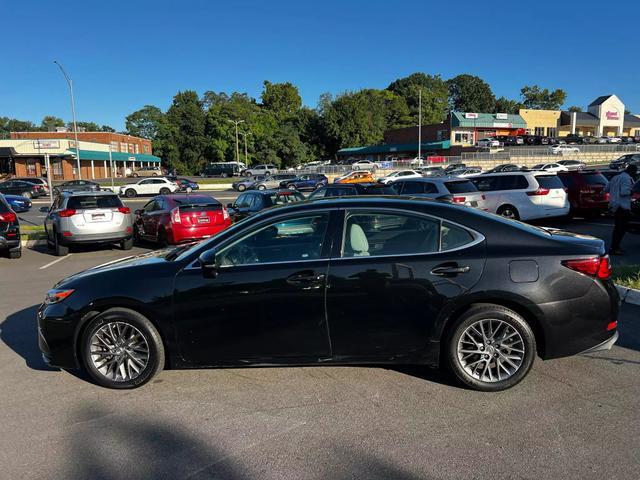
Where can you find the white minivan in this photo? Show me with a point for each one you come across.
(523, 195)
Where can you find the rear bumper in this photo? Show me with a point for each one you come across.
(606, 345)
(194, 234)
(6, 243)
(96, 238)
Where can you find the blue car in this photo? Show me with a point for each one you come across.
(308, 181)
(18, 203)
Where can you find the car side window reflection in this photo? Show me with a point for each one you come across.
(290, 240)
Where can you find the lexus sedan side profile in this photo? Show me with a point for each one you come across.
(361, 279)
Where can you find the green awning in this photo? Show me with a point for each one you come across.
(487, 120)
(395, 148)
(116, 156)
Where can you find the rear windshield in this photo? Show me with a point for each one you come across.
(376, 190)
(549, 181)
(461, 187)
(595, 178)
(282, 198)
(94, 201)
(198, 204)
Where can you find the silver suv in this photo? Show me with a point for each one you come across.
(88, 218)
(272, 181)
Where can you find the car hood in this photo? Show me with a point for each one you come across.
(135, 261)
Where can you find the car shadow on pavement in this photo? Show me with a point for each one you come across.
(20, 332)
(119, 445)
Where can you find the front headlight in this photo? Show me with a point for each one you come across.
(57, 295)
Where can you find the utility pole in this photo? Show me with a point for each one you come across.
(47, 165)
(73, 114)
(113, 186)
(419, 126)
(236, 123)
(246, 155)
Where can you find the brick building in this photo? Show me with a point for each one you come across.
(119, 142)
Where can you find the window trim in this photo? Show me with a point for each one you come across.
(477, 236)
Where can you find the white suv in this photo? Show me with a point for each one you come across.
(523, 195)
(267, 169)
(149, 186)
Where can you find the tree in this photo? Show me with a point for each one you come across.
(534, 97)
(8, 125)
(145, 122)
(282, 99)
(183, 135)
(435, 99)
(107, 128)
(574, 108)
(468, 93)
(49, 123)
(505, 105)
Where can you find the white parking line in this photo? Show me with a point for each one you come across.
(54, 262)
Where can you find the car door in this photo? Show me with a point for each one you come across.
(149, 219)
(265, 302)
(240, 208)
(391, 277)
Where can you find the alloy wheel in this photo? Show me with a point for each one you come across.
(119, 351)
(490, 350)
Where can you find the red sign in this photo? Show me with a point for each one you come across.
(435, 159)
(612, 116)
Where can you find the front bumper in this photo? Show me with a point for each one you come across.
(56, 335)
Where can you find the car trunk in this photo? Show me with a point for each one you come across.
(551, 194)
(202, 215)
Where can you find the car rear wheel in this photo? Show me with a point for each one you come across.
(319, 185)
(165, 191)
(492, 348)
(59, 249)
(26, 194)
(127, 244)
(261, 187)
(162, 239)
(224, 175)
(291, 186)
(122, 349)
(134, 175)
(130, 193)
(509, 211)
(241, 188)
(14, 254)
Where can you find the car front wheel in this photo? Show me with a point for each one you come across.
(122, 349)
(26, 194)
(130, 193)
(491, 348)
(165, 191)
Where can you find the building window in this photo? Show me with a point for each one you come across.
(31, 167)
(114, 146)
(146, 148)
(135, 148)
(463, 137)
(539, 131)
(123, 147)
(131, 148)
(552, 132)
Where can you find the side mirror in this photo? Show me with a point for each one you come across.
(44, 209)
(208, 264)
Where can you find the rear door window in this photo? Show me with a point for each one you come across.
(462, 186)
(410, 188)
(595, 178)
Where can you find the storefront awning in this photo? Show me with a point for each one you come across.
(116, 156)
(487, 120)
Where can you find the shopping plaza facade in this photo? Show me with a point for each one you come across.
(102, 155)
(605, 116)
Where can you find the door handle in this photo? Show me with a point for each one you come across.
(305, 280)
(452, 270)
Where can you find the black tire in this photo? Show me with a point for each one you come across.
(224, 175)
(14, 254)
(242, 188)
(127, 244)
(130, 193)
(135, 175)
(162, 239)
(261, 187)
(56, 192)
(319, 185)
(165, 191)
(267, 173)
(137, 238)
(291, 186)
(509, 211)
(26, 194)
(156, 355)
(59, 249)
(490, 312)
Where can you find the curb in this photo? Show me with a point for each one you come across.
(215, 186)
(629, 295)
(33, 243)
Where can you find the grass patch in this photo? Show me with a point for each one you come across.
(32, 228)
(627, 276)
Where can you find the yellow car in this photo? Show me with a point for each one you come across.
(356, 177)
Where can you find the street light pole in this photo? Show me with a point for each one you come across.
(236, 123)
(246, 156)
(73, 114)
(419, 126)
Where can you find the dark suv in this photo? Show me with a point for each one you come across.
(9, 230)
(585, 189)
(223, 170)
(624, 161)
(346, 189)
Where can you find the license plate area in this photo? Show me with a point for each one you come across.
(203, 220)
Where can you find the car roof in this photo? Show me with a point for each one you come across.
(184, 197)
(101, 193)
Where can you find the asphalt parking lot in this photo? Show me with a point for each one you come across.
(571, 418)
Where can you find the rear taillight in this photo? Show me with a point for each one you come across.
(225, 214)
(612, 325)
(68, 212)
(124, 209)
(599, 267)
(539, 191)
(483, 197)
(8, 217)
(175, 215)
(459, 199)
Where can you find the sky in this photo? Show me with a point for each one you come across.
(124, 55)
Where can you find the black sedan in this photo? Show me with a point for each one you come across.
(336, 281)
(22, 188)
(250, 203)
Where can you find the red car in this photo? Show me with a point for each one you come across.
(174, 219)
(585, 189)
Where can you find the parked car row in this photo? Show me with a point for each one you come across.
(571, 139)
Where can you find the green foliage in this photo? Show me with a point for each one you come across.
(504, 105)
(8, 125)
(49, 123)
(574, 108)
(543, 99)
(282, 99)
(435, 96)
(468, 93)
(145, 122)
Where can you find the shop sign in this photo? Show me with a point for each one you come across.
(502, 116)
(44, 144)
(471, 115)
(612, 116)
(502, 125)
